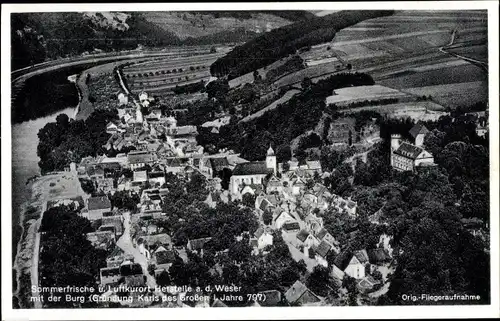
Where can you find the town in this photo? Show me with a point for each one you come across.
(200, 178)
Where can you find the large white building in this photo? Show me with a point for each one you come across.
(406, 156)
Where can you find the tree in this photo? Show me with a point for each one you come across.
(240, 251)
(267, 217)
(248, 200)
(163, 279)
(306, 83)
(318, 280)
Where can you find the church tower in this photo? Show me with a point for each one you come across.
(271, 159)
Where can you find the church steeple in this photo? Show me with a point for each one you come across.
(271, 159)
(270, 151)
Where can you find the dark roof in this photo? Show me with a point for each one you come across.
(163, 257)
(198, 244)
(362, 256)
(272, 298)
(219, 304)
(408, 151)
(99, 203)
(378, 256)
(140, 157)
(259, 232)
(321, 234)
(418, 129)
(290, 226)
(302, 235)
(110, 271)
(219, 163)
(130, 269)
(342, 260)
(252, 168)
(322, 249)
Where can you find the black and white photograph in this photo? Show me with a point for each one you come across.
(266, 157)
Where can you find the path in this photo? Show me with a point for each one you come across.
(125, 243)
(482, 64)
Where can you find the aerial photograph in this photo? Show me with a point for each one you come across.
(272, 158)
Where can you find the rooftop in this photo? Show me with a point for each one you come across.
(99, 203)
(252, 168)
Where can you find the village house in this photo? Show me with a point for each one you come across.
(109, 276)
(139, 159)
(321, 251)
(196, 245)
(163, 259)
(261, 239)
(280, 217)
(299, 294)
(96, 206)
(271, 298)
(306, 239)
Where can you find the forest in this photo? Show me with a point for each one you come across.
(65, 141)
(67, 258)
(281, 42)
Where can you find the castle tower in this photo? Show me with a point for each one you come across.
(271, 159)
(395, 142)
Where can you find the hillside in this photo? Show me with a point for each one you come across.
(37, 37)
(280, 42)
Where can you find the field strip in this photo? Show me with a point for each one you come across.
(360, 93)
(437, 66)
(398, 36)
(442, 90)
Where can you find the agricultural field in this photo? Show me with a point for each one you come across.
(454, 95)
(408, 78)
(478, 52)
(421, 110)
(361, 93)
(402, 52)
(163, 75)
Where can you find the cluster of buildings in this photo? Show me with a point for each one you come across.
(408, 155)
(288, 199)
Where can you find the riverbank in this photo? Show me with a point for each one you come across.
(50, 187)
(85, 106)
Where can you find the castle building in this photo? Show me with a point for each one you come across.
(406, 156)
(252, 173)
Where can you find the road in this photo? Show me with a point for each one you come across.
(125, 243)
(443, 49)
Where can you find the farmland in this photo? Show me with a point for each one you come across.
(360, 93)
(163, 75)
(402, 52)
(422, 110)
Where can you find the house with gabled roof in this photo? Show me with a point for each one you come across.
(163, 259)
(324, 236)
(321, 251)
(299, 294)
(262, 238)
(306, 239)
(418, 133)
(355, 266)
(271, 298)
(96, 206)
(280, 217)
